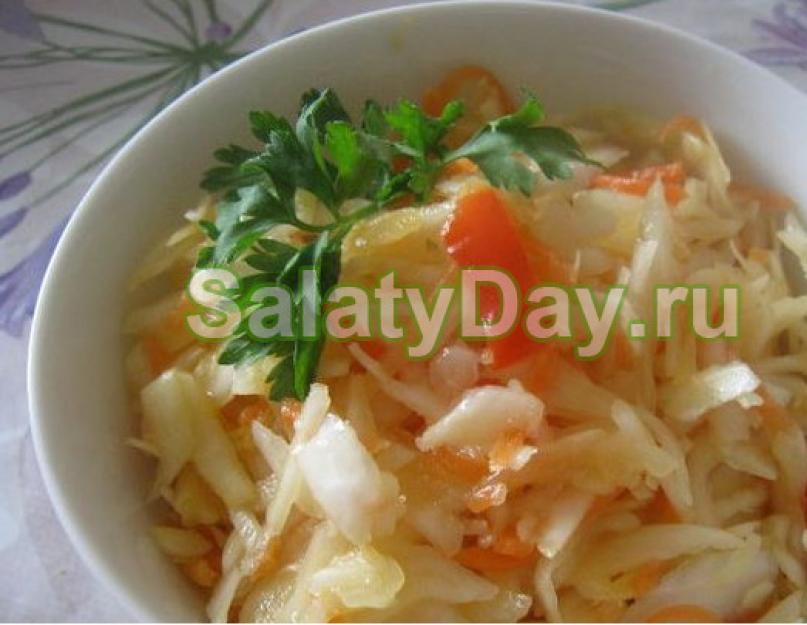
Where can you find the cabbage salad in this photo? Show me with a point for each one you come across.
(499, 480)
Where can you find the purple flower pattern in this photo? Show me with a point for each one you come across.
(788, 30)
(19, 286)
(218, 31)
(12, 220)
(15, 18)
(14, 185)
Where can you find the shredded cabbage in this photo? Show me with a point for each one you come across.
(663, 480)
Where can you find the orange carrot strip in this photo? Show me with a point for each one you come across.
(671, 173)
(462, 467)
(486, 497)
(374, 348)
(487, 560)
(231, 411)
(774, 415)
(475, 86)
(760, 255)
(684, 614)
(546, 265)
(244, 409)
(545, 367)
(507, 543)
(460, 167)
(201, 572)
(159, 358)
(638, 182)
(399, 163)
(647, 577)
(504, 449)
(257, 411)
(601, 502)
(660, 510)
(289, 412)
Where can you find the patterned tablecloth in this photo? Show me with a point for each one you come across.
(77, 78)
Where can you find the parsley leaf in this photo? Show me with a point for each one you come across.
(317, 110)
(281, 378)
(497, 146)
(229, 175)
(323, 256)
(243, 217)
(289, 163)
(373, 121)
(421, 135)
(392, 152)
(420, 141)
(361, 170)
(270, 256)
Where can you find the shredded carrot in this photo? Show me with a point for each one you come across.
(767, 198)
(244, 409)
(507, 543)
(544, 371)
(487, 560)
(460, 167)
(374, 348)
(489, 381)
(257, 411)
(546, 265)
(639, 182)
(400, 162)
(774, 415)
(601, 502)
(213, 533)
(159, 358)
(487, 496)
(231, 411)
(684, 614)
(504, 448)
(759, 255)
(660, 510)
(404, 200)
(268, 563)
(609, 611)
(289, 412)
(234, 613)
(168, 337)
(804, 502)
(647, 577)
(202, 571)
(682, 124)
(413, 424)
(459, 466)
(671, 173)
(623, 350)
(753, 615)
(173, 328)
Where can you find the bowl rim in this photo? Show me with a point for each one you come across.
(42, 430)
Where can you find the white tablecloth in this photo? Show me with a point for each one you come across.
(57, 63)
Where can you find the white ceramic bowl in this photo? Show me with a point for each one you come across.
(571, 57)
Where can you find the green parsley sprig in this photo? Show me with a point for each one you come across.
(327, 155)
